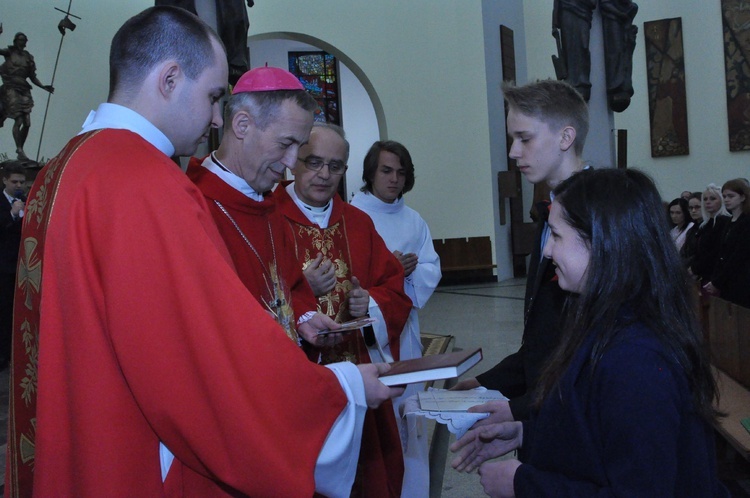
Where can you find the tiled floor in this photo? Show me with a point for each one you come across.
(489, 316)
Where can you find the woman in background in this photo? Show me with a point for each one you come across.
(690, 246)
(730, 278)
(678, 214)
(715, 217)
(625, 405)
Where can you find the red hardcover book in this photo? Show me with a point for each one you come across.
(432, 367)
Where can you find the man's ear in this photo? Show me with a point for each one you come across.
(169, 78)
(241, 123)
(567, 137)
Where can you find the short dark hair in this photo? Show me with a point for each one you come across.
(263, 106)
(553, 102)
(370, 164)
(12, 167)
(635, 274)
(155, 35)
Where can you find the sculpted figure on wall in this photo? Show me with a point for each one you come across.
(571, 26)
(232, 24)
(15, 93)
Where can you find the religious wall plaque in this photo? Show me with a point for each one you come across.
(667, 99)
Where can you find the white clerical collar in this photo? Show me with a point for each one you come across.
(370, 202)
(318, 215)
(118, 117)
(214, 166)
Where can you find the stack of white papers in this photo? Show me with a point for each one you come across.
(456, 401)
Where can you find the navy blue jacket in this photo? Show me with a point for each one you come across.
(626, 429)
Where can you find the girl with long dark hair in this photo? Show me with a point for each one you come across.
(625, 405)
(679, 217)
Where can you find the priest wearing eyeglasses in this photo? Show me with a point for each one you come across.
(354, 275)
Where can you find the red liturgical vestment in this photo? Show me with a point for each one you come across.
(353, 244)
(132, 328)
(258, 244)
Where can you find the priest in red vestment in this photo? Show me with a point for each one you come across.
(142, 366)
(268, 106)
(354, 274)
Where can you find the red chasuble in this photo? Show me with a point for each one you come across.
(131, 327)
(353, 244)
(259, 246)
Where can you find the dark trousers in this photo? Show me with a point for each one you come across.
(7, 289)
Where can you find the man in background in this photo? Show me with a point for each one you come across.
(11, 218)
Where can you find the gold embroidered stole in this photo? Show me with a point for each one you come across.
(26, 315)
(333, 243)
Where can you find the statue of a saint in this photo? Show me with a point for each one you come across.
(232, 23)
(571, 24)
(15, 93)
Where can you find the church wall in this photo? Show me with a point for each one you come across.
(709, 159)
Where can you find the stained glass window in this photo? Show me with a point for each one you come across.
(317, 72)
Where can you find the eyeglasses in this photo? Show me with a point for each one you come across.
(313, 163)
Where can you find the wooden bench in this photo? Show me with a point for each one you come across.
(729, 341)
(465, 260)
(734, 400)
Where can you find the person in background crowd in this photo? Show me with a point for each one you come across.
(730, 278)
(714, 218)
(11, 218)
(680, 220)
(689, 248)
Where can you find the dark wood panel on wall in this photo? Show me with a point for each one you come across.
(510, 181)
(667, 98)
(465, 260)
(736, 24)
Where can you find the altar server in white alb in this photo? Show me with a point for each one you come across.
(388, 174)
